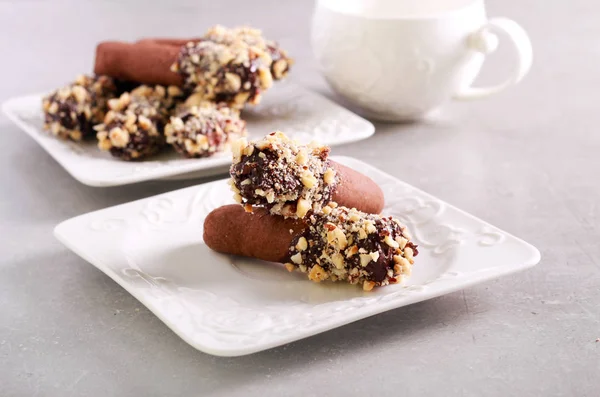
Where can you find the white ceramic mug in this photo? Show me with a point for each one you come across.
(401, 59)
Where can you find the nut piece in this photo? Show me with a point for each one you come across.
(403, 262)
(362, 234)
(329, 176)
(174, 91)
(144, 122)
(302, 244)
(241, 98)
(79, 93)
(118, 137)
(75, 135)
(124, 101)
(317, 274)
(389, 241)
(370, 227)
(103, 141)
(308, 179)
(336, 234)
(234, 82)
(368, 285)
(401, 242)
(365, 259)
(297, 258)
(290, 267)
(265, 78)
(80, 79)
(338, 260)
(354, 217)
(302, 208)
(302, 157)
(248, 151)
(270, 196)
(52, 109)
(279, 68)
(352, 251)
(237, 147)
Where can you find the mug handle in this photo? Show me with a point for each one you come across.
(485, 42)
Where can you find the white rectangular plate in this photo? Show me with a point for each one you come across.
(230, 306)
(300, 113)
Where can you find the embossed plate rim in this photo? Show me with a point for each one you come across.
(13, 108)
(320, 319)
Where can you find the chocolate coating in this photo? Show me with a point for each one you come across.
(278, 173)
(201, 131)
(72, 111)
(132, 140)
(263, 173)
(346, 244)
(280, 61)
(235, 74)
(133, 128)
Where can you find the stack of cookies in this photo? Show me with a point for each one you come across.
(147, 95)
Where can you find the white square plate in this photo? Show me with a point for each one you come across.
(300, 113)
(230, 306)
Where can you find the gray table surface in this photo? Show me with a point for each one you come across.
(526, 161)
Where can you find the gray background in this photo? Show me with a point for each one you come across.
(526, 161)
